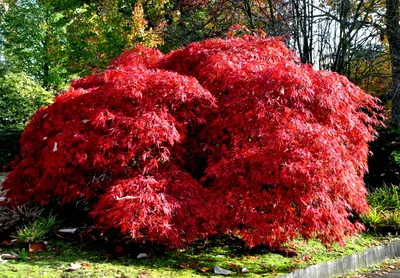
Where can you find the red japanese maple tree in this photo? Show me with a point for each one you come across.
(117, 140)
(227, 135)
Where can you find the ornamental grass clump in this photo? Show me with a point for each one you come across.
(223, 136)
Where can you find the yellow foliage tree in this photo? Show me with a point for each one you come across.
(140, 31)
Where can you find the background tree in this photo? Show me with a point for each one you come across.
(33, 42)
(98, 31)
(336, 35)
(54, 41)
(393, 33)
(20, 97)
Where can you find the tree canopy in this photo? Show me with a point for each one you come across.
(223, 136)
(54, 41)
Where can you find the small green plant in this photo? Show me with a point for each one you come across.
(30, 233)
(36, 230)
(385, 197)
(47, 223)
(396, 156)
(373, 219)
(23, 255)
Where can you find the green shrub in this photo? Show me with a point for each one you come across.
(20, 97)
(385, 197)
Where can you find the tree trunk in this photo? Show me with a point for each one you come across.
(393, 33)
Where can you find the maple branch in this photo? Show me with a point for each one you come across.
(126, 198)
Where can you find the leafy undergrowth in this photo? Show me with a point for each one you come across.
(197, 260)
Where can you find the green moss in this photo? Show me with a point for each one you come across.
(188, 262)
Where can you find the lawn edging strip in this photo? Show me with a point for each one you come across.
(348, 264)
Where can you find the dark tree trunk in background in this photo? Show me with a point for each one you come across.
(393, 32)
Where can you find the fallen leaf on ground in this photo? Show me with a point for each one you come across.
(8, 257)
(86, 265)
(142, 256)
(67, 231)
(288, 252)
(74, 266)
(7, 242)
(232, 264)
(221, 271)
(307, 258)
(35, 247)
(143, 274)
(204, 269)
(124, 276)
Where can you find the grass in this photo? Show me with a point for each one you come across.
(189, 262)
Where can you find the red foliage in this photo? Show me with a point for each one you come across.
(116, 135)
(287, 149)
(284, 153)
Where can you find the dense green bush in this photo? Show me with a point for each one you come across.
(20, 97)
